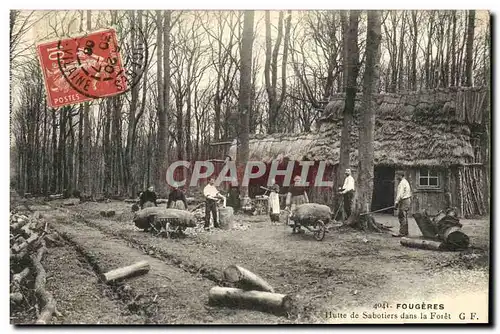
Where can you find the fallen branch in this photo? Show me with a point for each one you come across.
(245, 279)
(19, 247)
(48, 303)
(19, 256)
(138, 268)
(18, 278)
(19, 224)
(16, 297)
(265, 301)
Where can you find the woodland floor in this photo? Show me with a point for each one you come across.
(348, 270)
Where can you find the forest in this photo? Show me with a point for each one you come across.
(214, 76)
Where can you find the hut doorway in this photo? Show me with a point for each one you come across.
(383, 188)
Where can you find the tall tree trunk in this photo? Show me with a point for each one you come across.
(163, 80)
(469, 47)
(62, 149)
(402, 33)
(134, 96)
(351, 73)
(428, 52)
(453, 49)
(345, 28)
(107, 147)
(87, 131)
(55, 161)
(271, 70)
(413, 77)
(245, 92)
(366, 128)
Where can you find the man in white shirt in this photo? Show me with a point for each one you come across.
(211, 195)
(402, 203)
(347, 191)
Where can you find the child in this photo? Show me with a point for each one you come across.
(274, 203)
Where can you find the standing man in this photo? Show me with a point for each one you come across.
(402, 203)
(148, 198)
(347, 191)
(211, 195)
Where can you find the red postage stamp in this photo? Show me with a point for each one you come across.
(82, 68)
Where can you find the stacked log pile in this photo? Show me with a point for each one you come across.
(29, 238)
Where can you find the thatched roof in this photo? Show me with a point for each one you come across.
(413, 129)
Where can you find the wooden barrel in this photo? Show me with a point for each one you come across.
(226, 217)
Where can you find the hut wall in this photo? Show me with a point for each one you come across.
(432, 200)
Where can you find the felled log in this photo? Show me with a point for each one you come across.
(71, 201)
(16, 297)
(423, 244)
(141, 267)
(445, 226)
(19, 247)
(260, 300)
(448, 228)
(245, 279)
(311, 212)
(19, 256)
(18, 278)
(20, 221)
(48, 303)
(425, 225)
(56, 196)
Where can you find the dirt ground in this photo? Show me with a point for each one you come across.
(347, 270)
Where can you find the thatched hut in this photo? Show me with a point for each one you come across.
(438, 137)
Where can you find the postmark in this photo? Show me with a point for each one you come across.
(92, 66)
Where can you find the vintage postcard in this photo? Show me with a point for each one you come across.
(250, 167)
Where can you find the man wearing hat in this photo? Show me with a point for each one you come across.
(402, 203)
(347, 191)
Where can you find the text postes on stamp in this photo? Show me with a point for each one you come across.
(88, 67)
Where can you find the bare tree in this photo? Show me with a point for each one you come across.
(469, 47)
(351, 74)
(245, 92)
(271, 67)
(366, 129)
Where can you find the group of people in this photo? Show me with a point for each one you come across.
(176, 198)
(296, 195)
(402, 201)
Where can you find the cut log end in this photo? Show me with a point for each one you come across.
(457, 240)
(245, 279)
(232, 274)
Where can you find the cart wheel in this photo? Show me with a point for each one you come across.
(319, 233)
